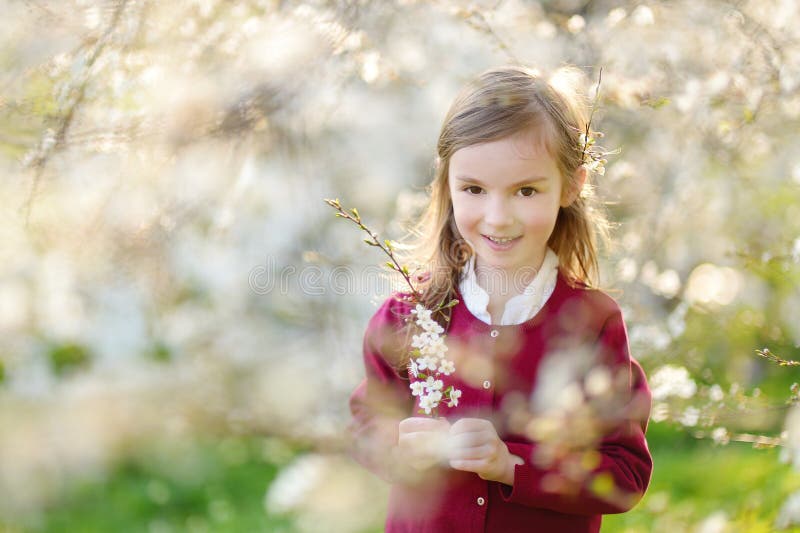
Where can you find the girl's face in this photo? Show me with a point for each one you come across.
(506, 195)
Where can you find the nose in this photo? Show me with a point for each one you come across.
(498, 212)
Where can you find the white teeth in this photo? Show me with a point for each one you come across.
(501, 241)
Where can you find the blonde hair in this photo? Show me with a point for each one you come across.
(497, 104)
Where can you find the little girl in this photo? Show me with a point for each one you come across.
(549, 431)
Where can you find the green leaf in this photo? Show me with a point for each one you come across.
(69, 356)
(160, 352)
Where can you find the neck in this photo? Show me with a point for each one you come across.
(505, 282)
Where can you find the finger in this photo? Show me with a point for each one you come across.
(468, 440)
(415, 423)
(466, 425)
(419, 439)
(474, 453)
(417, 460)
(418, 423)
(468, 465)
(424, 444)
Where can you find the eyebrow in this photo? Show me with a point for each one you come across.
(532, 179)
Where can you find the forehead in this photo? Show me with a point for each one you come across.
(511, 159)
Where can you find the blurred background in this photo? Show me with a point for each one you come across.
(181, 315)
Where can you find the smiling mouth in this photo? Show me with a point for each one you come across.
(501, 240)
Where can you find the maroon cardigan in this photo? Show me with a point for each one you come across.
(496, 370)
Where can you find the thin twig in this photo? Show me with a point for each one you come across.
(758, 440)
(766, 354)
(484, 25)
(47, 149)
(591, 116)
(385, 246)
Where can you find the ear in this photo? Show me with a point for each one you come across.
(574, 186)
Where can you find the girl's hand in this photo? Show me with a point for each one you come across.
(474, 446)
(422, 441)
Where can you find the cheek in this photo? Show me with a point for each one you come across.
(464, 214)
(540, 218)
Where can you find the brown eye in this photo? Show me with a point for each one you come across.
(474, 189)
(527, 191)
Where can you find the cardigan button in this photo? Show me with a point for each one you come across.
(481, 501)
(494, 333)
(487, 384)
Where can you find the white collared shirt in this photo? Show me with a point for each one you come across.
(519, 308)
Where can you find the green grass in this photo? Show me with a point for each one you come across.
(208, 486)
(220, 486)
(694, 479)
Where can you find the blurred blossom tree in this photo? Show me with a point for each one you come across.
(164, 161)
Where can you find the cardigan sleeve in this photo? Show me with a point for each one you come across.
(382, 399)
(623, 471)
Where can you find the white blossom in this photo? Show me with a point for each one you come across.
(417, 388)
(715, 393)
(420, 341)
(427, 363)
(422, 313)
(435, 396)
(576, 24)
(720, 435)
(431, 326)
(455, 394)
(670, 381)
(447, 367)
(660, 412)
(432, 349)
(433, 384)
(430, 401)
(427, 404)
(690, 416)
(643, 16)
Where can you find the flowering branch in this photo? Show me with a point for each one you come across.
(385, 245)
(766, 354)
(586, 137)
(721, 436)
(709, 409)
(592, 156)
(427, 362)
(52, 141)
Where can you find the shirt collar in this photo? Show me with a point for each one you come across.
(519, 308)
